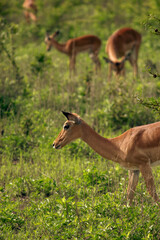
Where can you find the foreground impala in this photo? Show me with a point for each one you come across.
(123, 45)
(30, 10)
(137, 149)
(72, 47)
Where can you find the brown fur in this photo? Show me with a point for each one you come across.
(123, 45)
(72, 47)
(137, 149)
(30, 10)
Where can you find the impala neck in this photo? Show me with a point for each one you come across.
(59, 46)
(103, 146)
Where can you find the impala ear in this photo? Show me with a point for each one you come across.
(56, 33)
(72, 116)
(107, 60)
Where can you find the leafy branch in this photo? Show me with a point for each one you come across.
(151, 103)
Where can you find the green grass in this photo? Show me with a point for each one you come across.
(73, 198)
(72, 193)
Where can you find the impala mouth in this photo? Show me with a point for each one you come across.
(57, 147)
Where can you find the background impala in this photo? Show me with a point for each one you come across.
(72, 47)
(123, 45)
(30, 10)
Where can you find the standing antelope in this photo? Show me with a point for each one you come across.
(74, 46)
(30, 10)
(123, 45)
(137, 149)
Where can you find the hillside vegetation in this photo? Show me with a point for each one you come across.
(72, 193)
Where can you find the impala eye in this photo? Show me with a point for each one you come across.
(66, 127)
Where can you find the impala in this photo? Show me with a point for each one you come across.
(137, 149)
(72, 47)
(123, 45)
(30, 10)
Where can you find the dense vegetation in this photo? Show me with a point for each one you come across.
(72, 193)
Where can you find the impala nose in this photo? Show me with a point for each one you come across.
(53, 145)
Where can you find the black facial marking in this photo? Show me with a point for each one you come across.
(117, 64)
(66, 127)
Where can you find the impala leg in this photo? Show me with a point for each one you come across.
(135, 68)
(133, 63)
(95, 60)
(146, 172)
(133, 181)
(33, 17)
(72, 64)
(123, 72)
(136, 59)
(98, 64)
(27, 17)
(109, 71)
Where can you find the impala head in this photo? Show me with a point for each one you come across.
(118, 66)
(49, 38)
(70, 132)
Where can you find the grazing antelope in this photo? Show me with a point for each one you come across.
(74, 46)
(123, 45)
(137, 149)
(30, 10)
